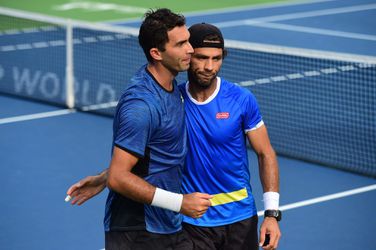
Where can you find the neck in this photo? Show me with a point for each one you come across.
(163, 75)
(200, 93)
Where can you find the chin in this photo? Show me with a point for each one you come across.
(204, 85)
(184, 67)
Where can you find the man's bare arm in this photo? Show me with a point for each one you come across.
(269, 175)
(87, 188)
(123, 181)
(267, 160)
(193, 205)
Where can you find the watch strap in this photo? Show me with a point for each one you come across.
(277, 214)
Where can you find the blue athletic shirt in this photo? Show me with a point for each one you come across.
(149, 123)
(217, 161)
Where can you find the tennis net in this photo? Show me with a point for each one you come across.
(318, 106)
(77, 64)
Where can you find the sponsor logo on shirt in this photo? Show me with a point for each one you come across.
(222, 115)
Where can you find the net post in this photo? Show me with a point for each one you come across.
(69, 66)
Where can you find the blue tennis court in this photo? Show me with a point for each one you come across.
(45, 148)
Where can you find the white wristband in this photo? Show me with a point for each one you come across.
(167, 200)
(271, 200)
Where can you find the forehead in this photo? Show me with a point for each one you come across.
(178, 34)
(209, 52)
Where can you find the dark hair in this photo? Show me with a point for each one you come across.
(154, 28)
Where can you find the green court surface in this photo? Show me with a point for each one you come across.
(19, 23)
(120, 9)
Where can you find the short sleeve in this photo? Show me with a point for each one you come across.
(132, 127)
(252, 116)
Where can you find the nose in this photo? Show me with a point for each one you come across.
(189, 48)
(209, 65)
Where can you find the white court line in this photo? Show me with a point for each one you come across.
(99, 6)
(326, 32)
(226, 10)
(37, 116)
(296, 15)
(28, 30)
(58, 112)
(252, 7)
(56, 43)
(298, 75)
(100, 106)
(324, 198)
(320, 199)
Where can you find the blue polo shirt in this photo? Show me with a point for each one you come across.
(149, 123)
(217, 161)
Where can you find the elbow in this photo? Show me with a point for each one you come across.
(273, 153)
(268, 160)
(269, 154)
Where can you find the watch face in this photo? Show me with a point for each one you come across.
(279, 215)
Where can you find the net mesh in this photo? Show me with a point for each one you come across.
(103, 64)
(316, 108)
(32, 59)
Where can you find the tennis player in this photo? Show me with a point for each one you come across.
(149, 146)
(220, 117)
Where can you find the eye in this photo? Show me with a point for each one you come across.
(200, 57)
(182, 43)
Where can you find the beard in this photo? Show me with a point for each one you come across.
(200, 80)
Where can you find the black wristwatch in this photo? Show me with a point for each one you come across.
(277, 214)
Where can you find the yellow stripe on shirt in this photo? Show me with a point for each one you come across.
(224, 198)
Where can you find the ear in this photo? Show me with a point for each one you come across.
(155, 54)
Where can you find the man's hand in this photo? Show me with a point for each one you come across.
(195, 204)
(87, 188)
(270, 226)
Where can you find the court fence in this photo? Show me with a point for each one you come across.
(318, 106)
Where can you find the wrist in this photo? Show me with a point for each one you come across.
(271, 200)
(102, 177)
(273, 214)
(167, 200)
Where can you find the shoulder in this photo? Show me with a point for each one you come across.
(236, 91)
(131, 103)
(141, 83)
(140, 90)
(137, 93)
(137, 99)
